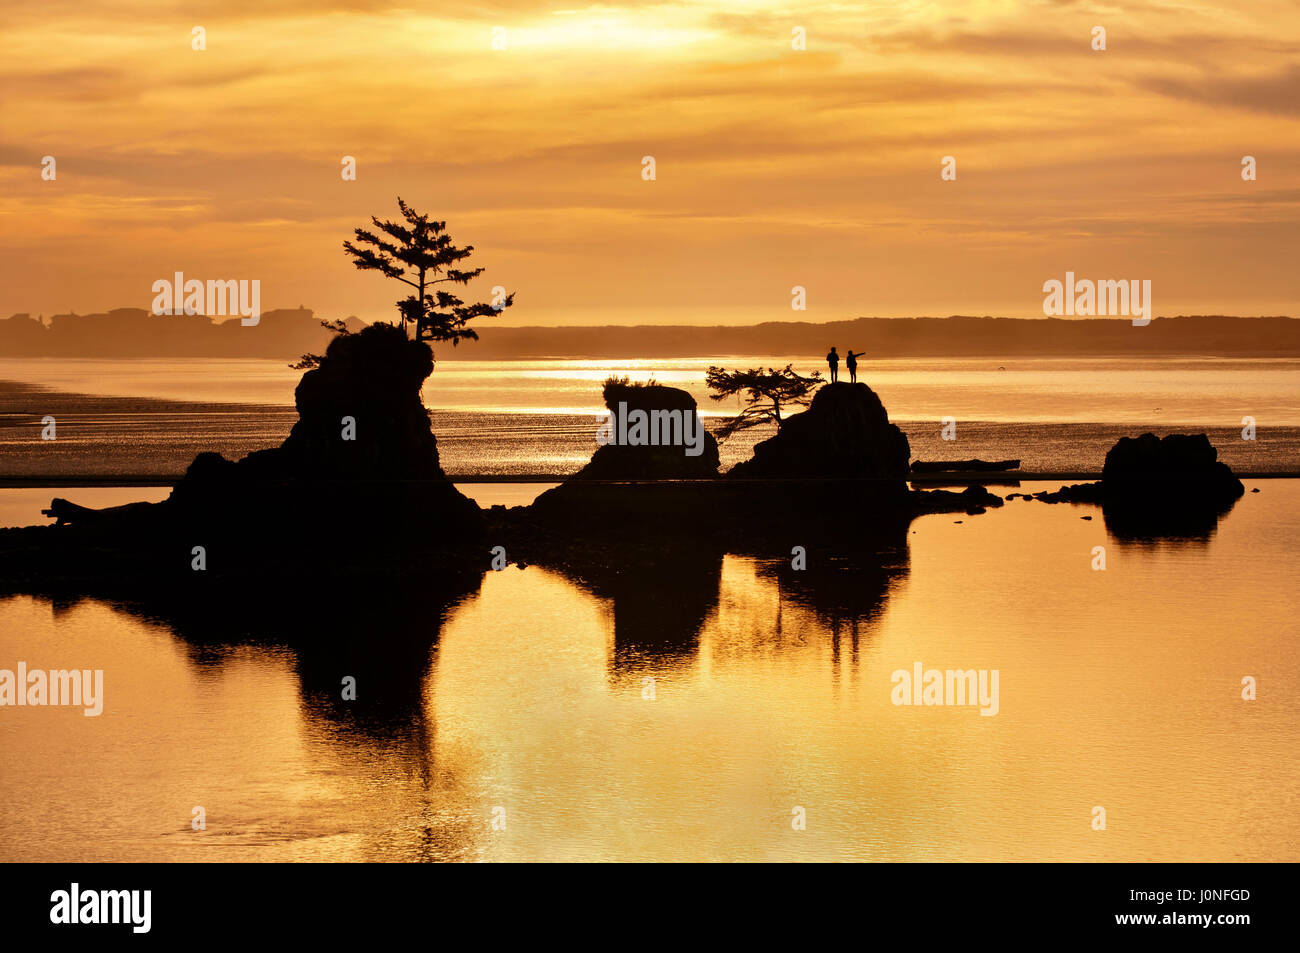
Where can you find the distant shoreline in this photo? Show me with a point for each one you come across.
(286, 334)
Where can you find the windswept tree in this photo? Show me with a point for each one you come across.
(767, 393)
(419, 252)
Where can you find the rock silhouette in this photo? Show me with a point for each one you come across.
(1178, 469)
(1172, 486)
(628, 492)
(837, 470)
(972, 501)
(360, 463)
(356, 492)
(1158, 487)
(835, 474)
(663, 462)
(844, 433)
(355, 489)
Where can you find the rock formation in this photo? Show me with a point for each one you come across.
(360, 463)
(356, 488)
(844, 433)
(1172, 471)
(1166, 486)
(665, 409)
(631, 487)
(1152, 487)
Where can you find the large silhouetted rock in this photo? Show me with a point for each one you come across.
(356, 488)
(836, 471)
(667, 414)
(361, 460)
(1158, 487)
(375, 378)
(844, 433)
(1166, 486)
(631, 488)
(1173, 470)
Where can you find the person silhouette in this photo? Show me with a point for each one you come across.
(833, 360)
(851, 362)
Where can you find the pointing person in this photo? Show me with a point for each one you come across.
(851, 362)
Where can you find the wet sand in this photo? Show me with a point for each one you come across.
(140, 441)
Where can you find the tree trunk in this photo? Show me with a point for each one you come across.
(421, 312)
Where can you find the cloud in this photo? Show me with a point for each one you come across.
(1277, 92)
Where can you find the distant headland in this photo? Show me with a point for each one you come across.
(288, 333)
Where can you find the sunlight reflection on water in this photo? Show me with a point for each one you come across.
(1118, 688)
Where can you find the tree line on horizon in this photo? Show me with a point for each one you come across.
(283, 334)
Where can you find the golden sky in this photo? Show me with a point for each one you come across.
(775, 167)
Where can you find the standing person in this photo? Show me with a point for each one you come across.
(851, 362)
(833, 360)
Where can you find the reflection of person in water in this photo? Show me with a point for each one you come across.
(851, 362)
(833, 360)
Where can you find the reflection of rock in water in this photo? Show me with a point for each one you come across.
(844, 587)
(1128, 524)
(384, 633)
(345, 544)
(379, 631)
(841, 588)
(661, 599)
(663, 595)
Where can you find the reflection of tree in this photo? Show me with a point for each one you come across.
(840, 589)
(844, 588)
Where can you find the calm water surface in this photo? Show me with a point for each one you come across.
(1118, 688)
(540, 417)
(1204, 391)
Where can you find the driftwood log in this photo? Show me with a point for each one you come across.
(65, 511)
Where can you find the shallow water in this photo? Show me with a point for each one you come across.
(1118, 688)
(540, 417)
(1201, 392)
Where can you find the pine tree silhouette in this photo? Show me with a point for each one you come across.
(420, 253)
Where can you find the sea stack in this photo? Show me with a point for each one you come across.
(355, 488)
